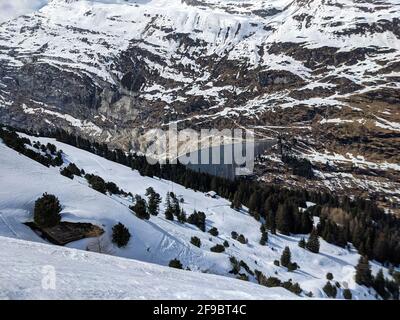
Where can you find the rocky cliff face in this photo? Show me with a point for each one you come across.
(324, 73)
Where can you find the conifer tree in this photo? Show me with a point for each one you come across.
(330, 290)
(236, 204)
(140, 208)
(284, 219)
(264, 238)
(302, 243)
(213, 231)
(120, 235)
(313, 242)
(175, 263)
(380, 248)
(379, 284)
(347, 294)
(286, 257)
(253, 202)
(169, 210)
(47, 211)
(195, 241)
(154, 200)
(182, 216)
(363, 272)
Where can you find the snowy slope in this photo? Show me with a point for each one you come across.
(158, 240)
(84, 275)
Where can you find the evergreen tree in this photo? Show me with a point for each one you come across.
(284, 219)
(380, 248)
(140, 208)
(198, 219)
(302, 243)
(97, 183)
(329, 276)
(154, 201)
(195, 241)
(306, 223)
(169, 214)
(313, 242)
(218, 248)
(241, 238)
(253, 203)
(182, 217)
(286, 257)
(347, 294)
(175, 263)
(120, 235)
(264, 238)
(47, 211)
(330, 290)
(169, 211)
(176, 209)
(236, 204)
(74, 169)
(66, 173)
(363, 272)
(379, 284)
(213, 231)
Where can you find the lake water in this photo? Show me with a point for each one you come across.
(227, 161)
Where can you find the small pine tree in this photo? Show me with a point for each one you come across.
(66, 173)
(273, 282)
(169, 215)
(120, 235)
(218, 248)
(182, 217)
(213, 231)
(198, 219)
(286, 257)
(241, 238)
(302, 243)
(329, 276)
(175, 263)
(363, 272)
(140, 208)
(47, 211)
(347, 294)
(330, 290)
(236, 204)
(313, 242)
(264, 238)
(195, 241)
(284, 219)
(154, 201)
(74, 169)
(292, 266)
(379, 284)
(169, 211)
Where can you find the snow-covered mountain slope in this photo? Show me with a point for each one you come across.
(27, 266)
(159, 240)
(325, 72)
